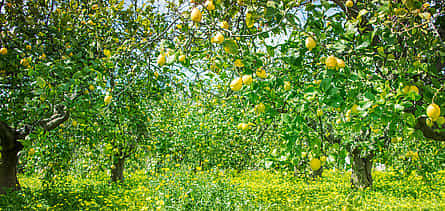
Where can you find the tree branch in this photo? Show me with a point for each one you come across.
(60, 115)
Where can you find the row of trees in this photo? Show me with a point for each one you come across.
(314, 79)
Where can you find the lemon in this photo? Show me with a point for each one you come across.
(310, 43)
(31, 151)
(181, 58)
(3, 51)
(161, 59)
(317, 82)
(243, 126)
(24, 62)
(413, 89)
(319, 112)
(287, 86)
(433, 111)
(107, 99)
(341, 63)
(209, 5)
(349, 3)
(196, 15)
(260, 108)
(405, 90)
(239, 63)
(261, 73)
(331, 62)
(218, 38)
(315, 164)
(247, 79)
(224, 25)
(236, 84)
(74, 123)
(354, 109)
(249, 20)
(107, 53)
(429, 122)
(42, 57)
(95, 7)
(91, 87)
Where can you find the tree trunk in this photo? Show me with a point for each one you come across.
(9, 157)
(361, 170)
(8, 171)
(117, 173)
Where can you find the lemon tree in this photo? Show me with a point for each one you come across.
(345, 73)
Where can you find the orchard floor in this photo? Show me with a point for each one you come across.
(184, 189)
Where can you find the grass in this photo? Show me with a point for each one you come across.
(185, 189)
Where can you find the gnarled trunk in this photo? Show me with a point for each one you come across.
(117, 173)
(8, 171)
(361, 170)
(9, 157)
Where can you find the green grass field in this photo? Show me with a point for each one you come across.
(184, 189)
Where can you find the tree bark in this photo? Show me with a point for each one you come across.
(9, 158)
(117, 173)
(361, 170)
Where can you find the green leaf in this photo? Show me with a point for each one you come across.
(41, 82)
(326, 84)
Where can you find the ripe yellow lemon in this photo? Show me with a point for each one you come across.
(310, 43)
(218, 38)
(196, 15)
(319, 112)
(433, 111)
(91, 87)
(341, 63)
(349, 3)
(181, 58)
(331, 62)
(414, 89)
(405, 90)
(247, 79)
(161, 59)
(209, 5)
(243, 126)
(317, 82)
(260, 108)
(107, 99)
(238, 63)
(224, 25)
(31, 151)
(261, 73)
(287, 86)
(354, 109)
(74, 123)
(3, 51)
(315, 164)
(236, 84)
